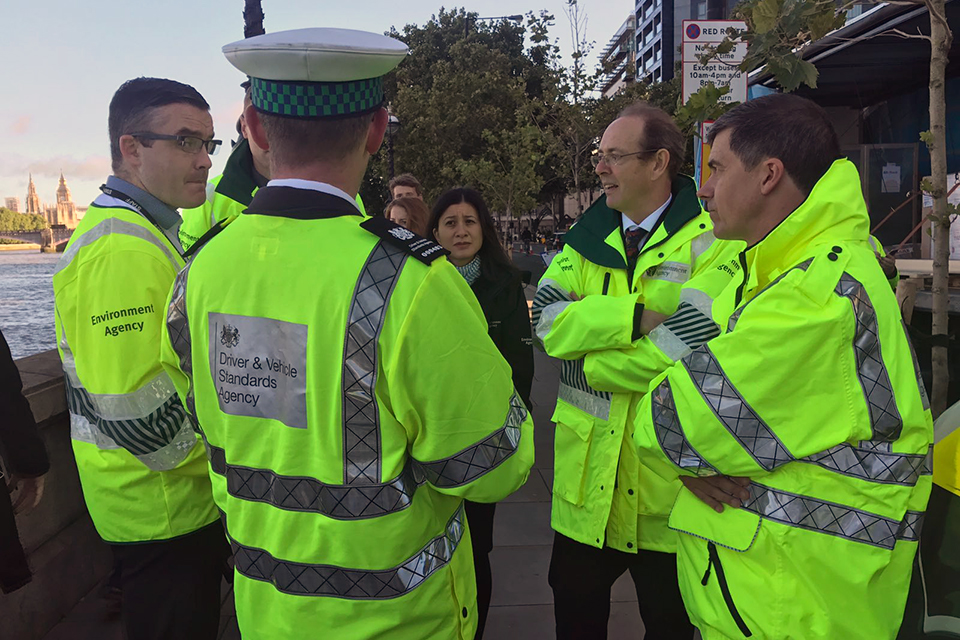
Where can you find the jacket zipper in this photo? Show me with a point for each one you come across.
(743, 283)
(724, 588)
(606, 282)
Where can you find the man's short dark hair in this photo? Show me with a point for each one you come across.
(134, 103)
(792, 129)
(296, 141)
(406, 180)
(659, 132)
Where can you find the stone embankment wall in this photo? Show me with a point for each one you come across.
(67, 556)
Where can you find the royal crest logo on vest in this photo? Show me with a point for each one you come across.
(230, 336)
(402, 234)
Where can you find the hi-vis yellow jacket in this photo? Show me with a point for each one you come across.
(350, 399)
(143, 476)
(812, 392)
(601, 492)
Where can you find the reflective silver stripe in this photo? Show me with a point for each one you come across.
(82, 431)
(575, 390)
(548, 315)
(150, 423)
(690, 326)
(302, 579)
(732, 322)
(700, 244)
(924, 398)
(476, 460)
(178, 328)
(668, 342)
(869, 463)
(357, 502)
(885, 420)
(122, 406)
(733, 411)
(114, 226)
(873, 243)
(361, 415)
(670, 433)
(160, 440)
(550, 295)
(300, 493)
(813, 514)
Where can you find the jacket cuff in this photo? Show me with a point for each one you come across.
(637, 320)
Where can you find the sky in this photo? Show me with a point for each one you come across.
(62, 60)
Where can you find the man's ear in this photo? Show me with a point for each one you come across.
(251, 118)
(662, 162)
(378, 128)
(772, 174)
(130, 149)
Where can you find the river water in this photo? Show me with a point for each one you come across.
(26, 301)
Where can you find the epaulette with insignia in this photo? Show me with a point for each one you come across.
(426, 251)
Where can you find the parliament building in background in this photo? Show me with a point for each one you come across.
(64, 213)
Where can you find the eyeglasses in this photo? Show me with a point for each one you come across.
(189, 144)
(613, 159)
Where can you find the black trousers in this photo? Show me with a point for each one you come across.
(14, 571)
(581, 577)
(171, 589)
(480, 519)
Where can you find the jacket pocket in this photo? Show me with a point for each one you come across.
(735, 529)
(571, 448)
(715, 565)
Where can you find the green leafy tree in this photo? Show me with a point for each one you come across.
(454, 91)
(507, 172)
(13, 221)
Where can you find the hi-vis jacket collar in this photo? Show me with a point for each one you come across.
(834, 212)
(301, 204)
(589, 236)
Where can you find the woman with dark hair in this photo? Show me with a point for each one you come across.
(461, 222)
(410, 213)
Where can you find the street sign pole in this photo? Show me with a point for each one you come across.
(722, 70)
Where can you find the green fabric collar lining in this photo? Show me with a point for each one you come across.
(599, 226)
(237, 182)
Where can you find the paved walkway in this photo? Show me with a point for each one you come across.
(522, 603)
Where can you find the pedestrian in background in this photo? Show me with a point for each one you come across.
(406, 185)
(25, 462)
(461, 222)
(410, 213)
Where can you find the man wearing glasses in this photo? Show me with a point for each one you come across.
(641, 254)
(144, 478)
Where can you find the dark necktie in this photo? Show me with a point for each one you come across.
(631, 243)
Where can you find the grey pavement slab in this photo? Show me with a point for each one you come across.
(522, 524)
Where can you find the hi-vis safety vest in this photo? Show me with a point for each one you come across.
(813, 393)
(227, 195)
(601, 493)
(350, 399)
(143, 475)
(946, 451)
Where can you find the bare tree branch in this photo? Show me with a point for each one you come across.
(936, 14)
(906, 36)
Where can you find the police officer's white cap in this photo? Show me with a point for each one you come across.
(316, 73)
